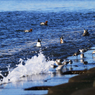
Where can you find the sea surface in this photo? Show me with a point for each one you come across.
(22, 64)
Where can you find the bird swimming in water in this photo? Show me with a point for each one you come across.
(28, 30)
(61, 40)
(85, 33)
(44, 23)
(38, 43)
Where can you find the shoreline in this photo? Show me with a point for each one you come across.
(82, 84)
(83, 79)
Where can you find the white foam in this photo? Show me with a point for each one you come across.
(33, 66)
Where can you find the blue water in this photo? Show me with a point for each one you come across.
(66, 18)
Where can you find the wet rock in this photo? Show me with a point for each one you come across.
(88, 91)
(38, 88)
(83, 78)
(83, 84)
(68, 88)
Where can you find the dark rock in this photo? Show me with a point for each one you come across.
(38, 88)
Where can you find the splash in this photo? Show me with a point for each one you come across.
(33, 66)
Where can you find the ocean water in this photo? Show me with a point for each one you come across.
(19, 55)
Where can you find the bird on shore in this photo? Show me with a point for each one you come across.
(93, 52)
(82, 55)
(38, 43)
(85, 33)
(58, 62)
(54, 65)
(1, 76)
(70, 62)
(76, 53)
(81, 50)
(65, 62)
(44, 23)
(28, 30)
(60, 67)
(85, 62)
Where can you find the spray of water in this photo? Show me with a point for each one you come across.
(33, 66)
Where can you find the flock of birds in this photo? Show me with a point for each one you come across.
(39, 41)
(58, 62)
(86, 33)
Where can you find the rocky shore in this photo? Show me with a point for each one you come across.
(83, 84)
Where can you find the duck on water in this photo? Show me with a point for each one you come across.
(44, 23)
(85, 33)
(38, 43)
(28, 30)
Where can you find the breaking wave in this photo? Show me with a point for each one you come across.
(33, 66)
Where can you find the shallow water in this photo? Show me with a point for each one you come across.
(19, 55)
